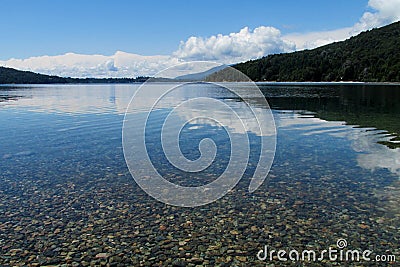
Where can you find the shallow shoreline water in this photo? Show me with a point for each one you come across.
(68, 199)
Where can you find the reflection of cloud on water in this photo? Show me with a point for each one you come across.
(85, 99)
(218, 117)
(114, 99)
(199, 102)
(377, 156)
(372, 155)
(72, 99)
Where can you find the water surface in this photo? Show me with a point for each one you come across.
(67, 195)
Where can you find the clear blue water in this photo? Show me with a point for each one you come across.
(64, 180)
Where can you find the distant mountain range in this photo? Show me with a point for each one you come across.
(200, 76)
(371, 56)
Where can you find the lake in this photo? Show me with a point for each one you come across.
(67, 196)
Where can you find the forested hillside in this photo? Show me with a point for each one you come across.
(13, 76)
(371, 56)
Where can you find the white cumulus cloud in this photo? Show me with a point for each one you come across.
(234, 47)
(384, 12)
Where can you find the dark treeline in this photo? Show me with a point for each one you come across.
(13, 76)
(371, 56)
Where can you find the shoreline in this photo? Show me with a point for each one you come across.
(177, 81)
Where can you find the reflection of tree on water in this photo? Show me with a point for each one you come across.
(376, 106)
(8, 98)
(8, 93)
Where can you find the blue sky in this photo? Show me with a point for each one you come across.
(141, 37)
(51, 27)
